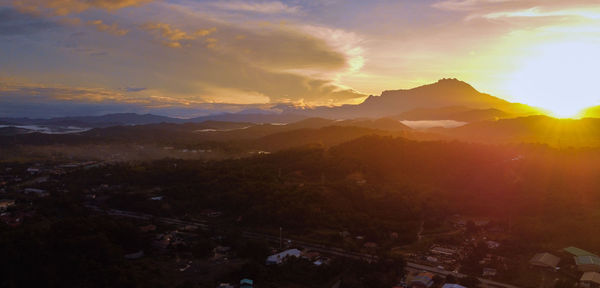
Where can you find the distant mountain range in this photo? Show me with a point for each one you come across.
(447, 99)
(123, 119)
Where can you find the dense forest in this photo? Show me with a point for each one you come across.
(377, 185)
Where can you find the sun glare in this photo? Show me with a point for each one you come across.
(559, 77)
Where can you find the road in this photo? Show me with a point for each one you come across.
(486, 283)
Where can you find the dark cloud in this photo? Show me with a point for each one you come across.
(13, 22)
(134, 89)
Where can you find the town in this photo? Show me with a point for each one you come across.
(210, 248)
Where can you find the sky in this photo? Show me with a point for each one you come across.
(187, 58)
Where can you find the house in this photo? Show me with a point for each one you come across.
(5, 204)
(157, 198)
(545, 260)
(225, 285)
(578, 252)
(447, 285)
(590, 279)
(246, 283)
(588, 263)
(280, 257)
(422, 280)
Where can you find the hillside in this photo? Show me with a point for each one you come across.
(533, 129)
(456, 113)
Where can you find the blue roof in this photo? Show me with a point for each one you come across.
(246, 281)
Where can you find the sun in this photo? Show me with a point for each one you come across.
(561, 78)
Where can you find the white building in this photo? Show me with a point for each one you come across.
(280, 257)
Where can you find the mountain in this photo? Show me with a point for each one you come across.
(107, 120)
(456, 113)
(251, 116)
(443, 93)
(592, 112)
(532, 129)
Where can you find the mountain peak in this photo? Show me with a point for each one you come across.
(452, 83)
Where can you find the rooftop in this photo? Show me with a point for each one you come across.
(587, 260)
(578, 252)
(544, 259)
(590, 277)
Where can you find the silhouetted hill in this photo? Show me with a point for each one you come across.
(325, 137)
(252, 117)
(532, 129)
(188, 133)
(592, 112)
(456, 113)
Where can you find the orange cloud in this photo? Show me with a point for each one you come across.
(262, 7)
(113, 28)
(174, 37)
(65, 7)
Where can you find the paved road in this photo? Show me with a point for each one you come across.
(308, 245)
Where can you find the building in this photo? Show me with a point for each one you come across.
(280, 257)
(246, 283)
(578, 252)
(453, 286)
(545, 260)
(422, 280)
(590, 279)
(588, 263)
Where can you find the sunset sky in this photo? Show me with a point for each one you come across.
(188, 58)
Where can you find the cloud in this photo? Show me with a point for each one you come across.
(174, 37)
(13, 22)
(44, 101)
(134, 89)
(273, 7)
(113, 28)
(247, 64)
(65, 7)
(496, 9)
(282, 48)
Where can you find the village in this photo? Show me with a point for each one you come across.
(463, 254)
